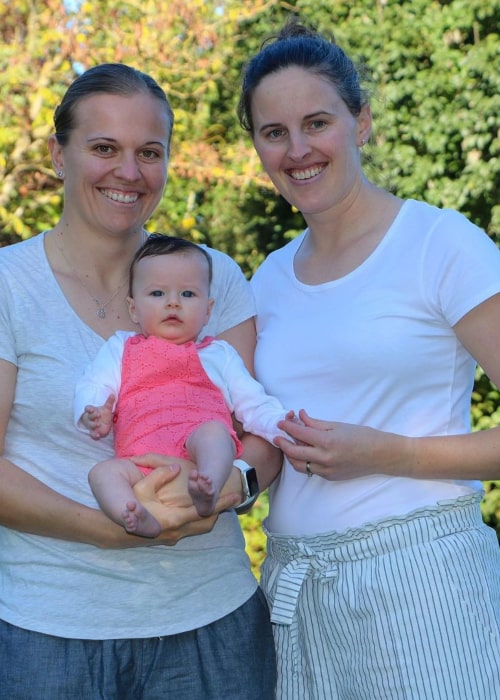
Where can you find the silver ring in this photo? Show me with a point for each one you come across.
(308, 469)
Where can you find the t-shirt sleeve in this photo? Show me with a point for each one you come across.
(7, 336)
(461, 266)
(234, 302)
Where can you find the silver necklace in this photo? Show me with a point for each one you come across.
(101, 308)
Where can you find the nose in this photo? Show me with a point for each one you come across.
(128, 167)
(172, 299)
(298, 145)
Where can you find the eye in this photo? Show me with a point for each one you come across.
(150, 154)
(156, 293)
(275, 134)
(104, 149)
(188, 293)
(318, 124)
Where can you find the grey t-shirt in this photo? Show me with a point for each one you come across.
(75, 590)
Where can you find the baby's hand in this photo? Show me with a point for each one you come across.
(99, 419)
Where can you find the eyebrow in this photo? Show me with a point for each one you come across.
(111, 140)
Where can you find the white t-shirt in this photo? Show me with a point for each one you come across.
(77, 590)
(375, 348)
(258, 412)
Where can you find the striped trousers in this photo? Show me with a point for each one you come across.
(406, 609)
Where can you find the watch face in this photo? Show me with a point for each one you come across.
(253, 484)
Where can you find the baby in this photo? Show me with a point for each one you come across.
(164, 392)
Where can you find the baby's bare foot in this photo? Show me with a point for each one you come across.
(202, 491)
(138, 520)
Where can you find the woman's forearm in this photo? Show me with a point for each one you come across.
(340, 451)
(471, 456)
(28, 505)
(264, 457)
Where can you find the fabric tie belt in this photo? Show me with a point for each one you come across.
(292, 577)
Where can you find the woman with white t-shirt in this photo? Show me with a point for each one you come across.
(382, 578)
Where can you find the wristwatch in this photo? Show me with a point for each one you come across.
(249, 484)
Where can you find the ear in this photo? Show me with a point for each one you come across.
(131, 309)
(210, 306)
(364, 128)
(56, 154)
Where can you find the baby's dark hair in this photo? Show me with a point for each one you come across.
(161, 244)
(298, 45)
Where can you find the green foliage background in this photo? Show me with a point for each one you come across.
(435, 85)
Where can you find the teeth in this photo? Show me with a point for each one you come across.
(121, 196)
(305, 174)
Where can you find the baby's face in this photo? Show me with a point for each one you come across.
(171, 296)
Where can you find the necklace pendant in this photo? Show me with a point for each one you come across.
(101, 312)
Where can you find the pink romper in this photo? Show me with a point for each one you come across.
(165, 394)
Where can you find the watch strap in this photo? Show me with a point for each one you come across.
(249, 486)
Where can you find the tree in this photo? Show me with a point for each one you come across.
(435, 67)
